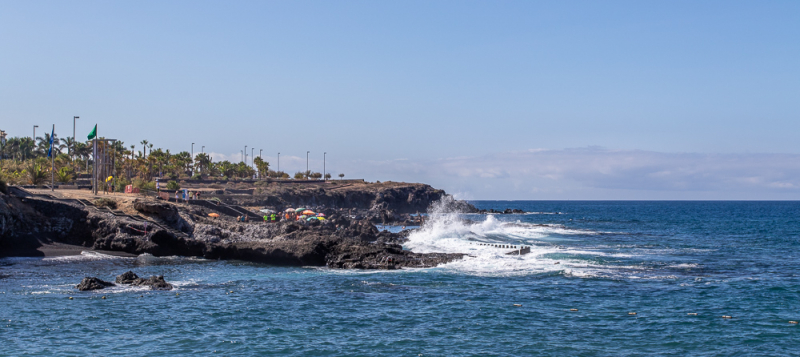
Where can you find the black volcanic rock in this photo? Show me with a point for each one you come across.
(347, 239)
(127, 277)
(92, 283)
(154, 282)
(162, 209)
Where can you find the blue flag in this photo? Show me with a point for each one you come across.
(50, 151)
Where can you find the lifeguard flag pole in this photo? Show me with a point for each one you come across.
(52, 161)
(93, 136)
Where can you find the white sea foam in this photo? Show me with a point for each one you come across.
(447, 231)
(85, 255)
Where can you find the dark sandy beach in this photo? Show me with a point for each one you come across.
(60, 250)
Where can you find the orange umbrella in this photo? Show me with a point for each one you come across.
(215, 215)
(309, 212)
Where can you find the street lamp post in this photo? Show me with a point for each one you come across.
(73, 136)
(192, 159)
(34, 136)
(252, 158)
(307, 152)
(324, 157)
(203, 149)
(245, 154)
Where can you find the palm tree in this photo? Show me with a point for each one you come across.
(36, 173)
(44, 143)
(203, 163)
(227, 168)
(3, 148)
(263, 167)
(63, 175)
(69, 142)
(27, 147)
(183, 160)
(144, 147)
(83, 151)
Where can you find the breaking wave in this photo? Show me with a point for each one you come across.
(450, 230)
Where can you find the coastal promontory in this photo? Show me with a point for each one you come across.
(227, 222)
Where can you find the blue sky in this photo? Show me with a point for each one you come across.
(432, 91)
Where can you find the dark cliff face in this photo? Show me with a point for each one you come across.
(26, 223)
(339, 242)
(399, 198)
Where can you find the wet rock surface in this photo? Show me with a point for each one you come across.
(92, 283)
(154, 282)
(127, 277)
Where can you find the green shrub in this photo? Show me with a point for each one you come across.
(144, 185)
(105, 202)
(119, 186)
(36, 173)
(64, 175)
(197, 176)
(173, 185)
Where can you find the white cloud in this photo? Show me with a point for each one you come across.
(598, 173)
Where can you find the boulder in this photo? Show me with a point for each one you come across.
(163, 210)
(92, 283)
(127, 278)
(154, 282)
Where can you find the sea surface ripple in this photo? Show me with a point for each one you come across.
(660, 260)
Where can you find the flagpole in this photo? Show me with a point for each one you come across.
(93, 137)
(52, 162)
(94, 167)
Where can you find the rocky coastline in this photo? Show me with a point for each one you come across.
(349, 239)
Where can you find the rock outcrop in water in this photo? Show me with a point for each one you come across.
(127, 277)
(91, 283)
(154, 282)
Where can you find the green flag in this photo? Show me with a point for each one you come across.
(93, 134)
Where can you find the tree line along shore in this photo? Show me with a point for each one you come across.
(25, 161)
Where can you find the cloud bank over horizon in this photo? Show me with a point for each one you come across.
(599, 173)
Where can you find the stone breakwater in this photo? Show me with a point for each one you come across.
(186, 230)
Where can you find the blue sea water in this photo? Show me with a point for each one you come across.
(661, 260)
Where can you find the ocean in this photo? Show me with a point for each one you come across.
(604, 278)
